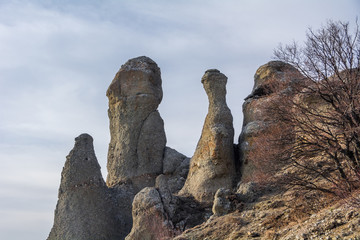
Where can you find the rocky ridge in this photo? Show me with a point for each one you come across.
(154, 192)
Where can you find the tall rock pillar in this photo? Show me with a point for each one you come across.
(85, 209)
(137, 131)
(212, 166)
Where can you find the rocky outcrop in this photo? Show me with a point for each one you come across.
(158, 214)
(154, 192)
(225, 202)
(150, 221)
(212, 165)
(137, 156)
(85, 209)
(175, 171)
(137, 131)
(272, 82)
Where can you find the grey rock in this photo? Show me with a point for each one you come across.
(85, 208)
(137, 131)
(222, 204)
(213, 163)
(172, 160)
(176, 168)
(247, 192)
(150, 221)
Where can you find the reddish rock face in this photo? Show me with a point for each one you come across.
(212, 165)
(272, 82)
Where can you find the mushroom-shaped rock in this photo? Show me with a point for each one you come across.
(213, 165)
(136, 128)
(85, 208)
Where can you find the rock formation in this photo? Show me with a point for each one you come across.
(137, 155)
(137, 131)
(151, 191)
(158, 214)
(224, 202)
(212, 165)
(85, 209)
(150, 221)
(272, 81)
(175, 171)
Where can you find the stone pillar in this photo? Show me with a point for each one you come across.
(137, 131)
(212, 166)
(85, 209)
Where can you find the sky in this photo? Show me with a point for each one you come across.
(57, 59)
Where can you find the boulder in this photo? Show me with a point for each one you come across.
(150, 221)
(213, 163)
(222, 202)
(85, 208)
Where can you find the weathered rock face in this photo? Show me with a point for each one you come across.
(137, 131)
(212, 165)
(175, 171)
(225, 201)
(150, 221)
(272, 82)
(158, 214)
(85, 209)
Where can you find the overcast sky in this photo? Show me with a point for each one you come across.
(57, 60)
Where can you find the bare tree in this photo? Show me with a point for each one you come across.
(320, 140)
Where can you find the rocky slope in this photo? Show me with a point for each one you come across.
(154, 192)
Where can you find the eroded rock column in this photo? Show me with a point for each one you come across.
(85, 209)
(136, 128)
(212, 166)
(273, 82)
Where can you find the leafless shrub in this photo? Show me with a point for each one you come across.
(317, 133)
